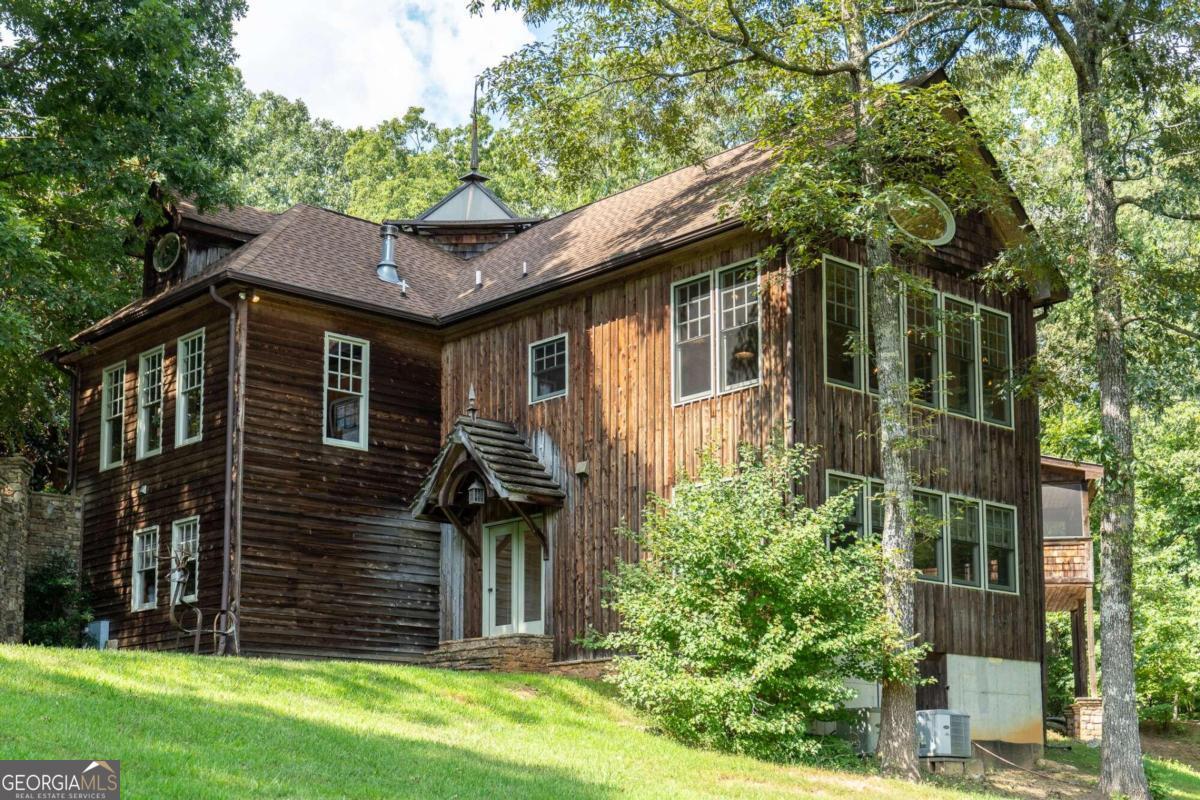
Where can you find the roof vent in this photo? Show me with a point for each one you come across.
(387, 259)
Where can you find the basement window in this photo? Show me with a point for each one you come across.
(548, 369)
(145, 568)
(112, 423)
(150, 403)
(347, 371)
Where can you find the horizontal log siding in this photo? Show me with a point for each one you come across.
(618, 414)
(963, 456)
(333, 565)
(180, 481)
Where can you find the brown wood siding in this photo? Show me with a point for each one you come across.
(963, 457)
(617, 415)
(179, 481)
(333, 565)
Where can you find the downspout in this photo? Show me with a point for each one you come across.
(223, 622)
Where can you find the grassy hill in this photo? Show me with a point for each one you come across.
(187, 727)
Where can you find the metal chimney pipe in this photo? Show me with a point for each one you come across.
(387, 259)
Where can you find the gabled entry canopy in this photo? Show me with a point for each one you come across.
(487, 455)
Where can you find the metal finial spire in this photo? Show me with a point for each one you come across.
(475, 127)
(471, 407)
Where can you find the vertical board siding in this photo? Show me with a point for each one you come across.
(333, 563)
(179, 482)
(617, 416)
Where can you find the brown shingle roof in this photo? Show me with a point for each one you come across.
(244, 219)
(321, 253)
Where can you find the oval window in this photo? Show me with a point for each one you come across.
(921, 214)
(166, 251)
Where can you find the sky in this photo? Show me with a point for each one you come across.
(358, 62)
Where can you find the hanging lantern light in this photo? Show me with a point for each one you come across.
(476, 495)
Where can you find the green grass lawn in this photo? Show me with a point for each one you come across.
(188, 727)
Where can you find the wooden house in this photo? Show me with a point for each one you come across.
(414, 441)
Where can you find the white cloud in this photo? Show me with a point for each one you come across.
(361, 62)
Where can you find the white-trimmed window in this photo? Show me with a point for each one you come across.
(347, 383)
(548, 368)
(1001, 526)
(929, 550)
(922, 330)
(995, 360)
(965, 542)
(150, 403)
(715, 332)
(145, 568)
(961, 367)
(842, 291)
(185, 559)
(189, 388)
(112, 413)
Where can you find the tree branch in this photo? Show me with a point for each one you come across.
(1065, 40)
(1147, 206)
(1161, 323)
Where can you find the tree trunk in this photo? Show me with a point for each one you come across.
(898, 707)
(1121, 771)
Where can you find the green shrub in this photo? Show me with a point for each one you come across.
(1060, 667)
(740, 626)
(56, 608)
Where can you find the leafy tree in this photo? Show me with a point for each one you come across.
(846, 146)
(98, 101)
(741, 626)
(56, 607)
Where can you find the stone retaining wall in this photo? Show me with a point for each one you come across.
(517, 653)
(33, 526)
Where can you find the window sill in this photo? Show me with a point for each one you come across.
(345, 445)
(547, 398)
(741, 387)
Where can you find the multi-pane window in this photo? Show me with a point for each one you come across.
(876, 501)
(843, 323)
(715, 327)
(189, 388)
(1001, 548)
(347, 370)
(145, 568)
(150, 403)
(739, 327)
(112, 412)
(693, 339)
(964, 542)
(185, 559)
(996, 366)
(922, 330)
(929, 557)
(852, 527)
(961, 371)
(548, 368)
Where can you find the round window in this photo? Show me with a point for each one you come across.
(921, 214)
(167, 250)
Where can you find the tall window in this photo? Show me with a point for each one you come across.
(876, 501)
(964, 542)
(728, 356)
(145, 568)
(928, 549)
(1001, 548)
(739, 327)
(843, 323)
(112, 412)
(996, 366)
(548, 368)
(693, 339)
(922, 331)
(150, 403)
(347, 371)
(852, 528)
(961, 373)
(189, 388)
(185, 559)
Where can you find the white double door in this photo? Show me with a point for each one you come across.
(514, 580)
